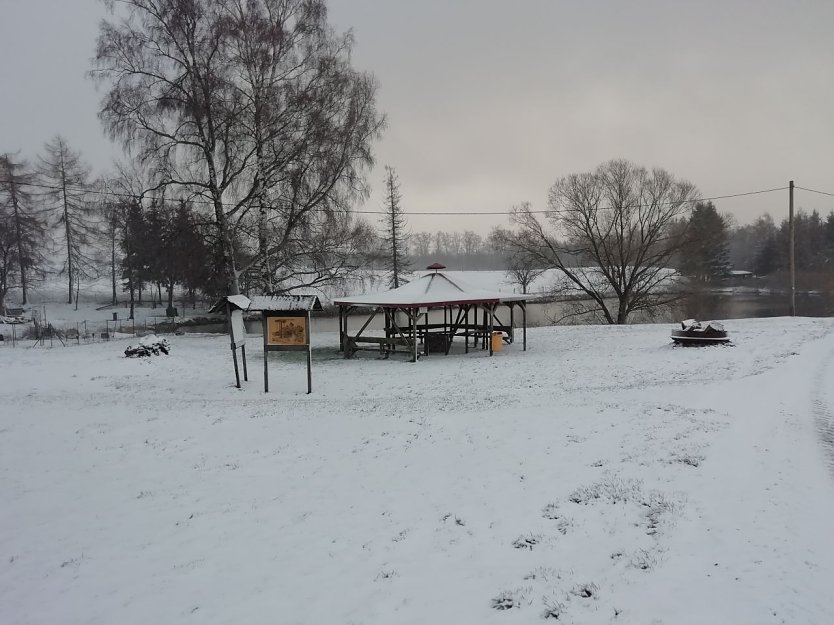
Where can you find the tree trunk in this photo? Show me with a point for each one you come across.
(263, 240)
(67, 227)
(3, 285)
(19, 237)
(622, 312)
(226, 251)
(132, 290)
(113, 266)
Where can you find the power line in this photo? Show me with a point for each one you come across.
(815, 191)
(415, 213)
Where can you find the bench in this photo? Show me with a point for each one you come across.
(384, 344)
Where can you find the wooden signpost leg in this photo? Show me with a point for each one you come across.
(243, 356)
(266, 372)
(309, 356)
(309, 370)
(266, 355)
(237, 373)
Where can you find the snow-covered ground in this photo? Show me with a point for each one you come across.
(603, 476)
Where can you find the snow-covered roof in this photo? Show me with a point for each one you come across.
(432, 289)
(268, 302)
(285, 302)
(237, 301)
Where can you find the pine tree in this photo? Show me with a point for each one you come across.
(707, 256)
(27, 228)
(395, 235)
(190, 254)
(131, 242)
(65, 178)
(828, 238)
(8, 258)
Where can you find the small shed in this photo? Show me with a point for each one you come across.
(468, 313)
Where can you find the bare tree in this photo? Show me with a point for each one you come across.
(394, 227)
(612, 234)
(24, 219)
(112, 216)
(522, 270)
(66, 182)
(472, 243)
(252, 106)
(441, 243)
(421, 243)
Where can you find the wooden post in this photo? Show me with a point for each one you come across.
(309, 358)
(466, 332)
(237, 373)
(425, 334)
(266, 355)
(232, 339)
(485, 329)
(414, 332)
(791, 248)
(491, 326)
(341, 328)
(524, 323)
(512, 322)
(243, 355)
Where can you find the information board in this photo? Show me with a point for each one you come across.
(286, 331)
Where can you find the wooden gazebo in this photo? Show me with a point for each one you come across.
(433, 310)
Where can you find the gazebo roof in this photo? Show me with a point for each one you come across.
(432, 289)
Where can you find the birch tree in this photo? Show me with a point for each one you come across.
(250, 106)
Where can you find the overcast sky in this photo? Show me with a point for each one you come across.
(489, 102)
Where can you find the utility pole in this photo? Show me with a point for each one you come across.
(791, 249)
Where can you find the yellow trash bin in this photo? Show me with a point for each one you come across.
(497, 340)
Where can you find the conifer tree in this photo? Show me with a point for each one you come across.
(65, 179)
(395, 234)
(24, 221)
(707, 257)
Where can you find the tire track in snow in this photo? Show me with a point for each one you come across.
(823, 416)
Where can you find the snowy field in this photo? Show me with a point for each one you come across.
(603, 476)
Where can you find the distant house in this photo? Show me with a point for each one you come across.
(738, 274)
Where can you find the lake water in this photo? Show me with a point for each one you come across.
(704, 306)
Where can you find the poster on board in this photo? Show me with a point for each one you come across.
(286, 331)
(237, 328)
